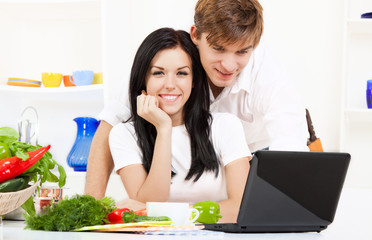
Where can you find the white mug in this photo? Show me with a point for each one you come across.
(179, 213)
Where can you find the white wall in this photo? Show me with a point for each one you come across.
(126, 24)
(305, 36)
(49, 37)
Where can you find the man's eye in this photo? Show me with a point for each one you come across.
(183, 73)
(217, 48)
(245, 51)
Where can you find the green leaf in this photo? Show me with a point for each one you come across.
(8, 135)
(62, 176)
(29, 206)
(51, 177)
(21, 153)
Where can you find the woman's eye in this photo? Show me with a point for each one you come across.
(182, 73)
(157, 73)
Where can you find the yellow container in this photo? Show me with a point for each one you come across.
(98, 78)
(51, 79)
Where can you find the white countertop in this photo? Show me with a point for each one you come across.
(353, 221)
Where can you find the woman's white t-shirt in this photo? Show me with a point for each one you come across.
(229, 142)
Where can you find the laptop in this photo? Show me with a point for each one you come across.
(289, 192)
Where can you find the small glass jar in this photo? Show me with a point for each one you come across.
(369, 94)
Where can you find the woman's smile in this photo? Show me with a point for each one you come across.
(169, 98)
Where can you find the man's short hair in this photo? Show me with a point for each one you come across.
(229, 21)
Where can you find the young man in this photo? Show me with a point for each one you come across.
(243, 79)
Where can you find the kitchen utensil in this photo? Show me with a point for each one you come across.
(51, 79)
(369, 94)
(78, 156)
(178, 212)
(98, 78)
(23, 82)
(28, 129)
(367, 15)
(13, 200)
(81, 78)
(313, 142)
(67, 82)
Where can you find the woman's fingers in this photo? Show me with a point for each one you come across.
(146, 104)
(140, 103)
(148, 108)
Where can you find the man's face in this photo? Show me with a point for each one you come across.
(222, 63)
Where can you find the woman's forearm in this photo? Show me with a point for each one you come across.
(236, 176)
(157, 184)
(229, 210)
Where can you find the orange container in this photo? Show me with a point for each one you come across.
(67, 82)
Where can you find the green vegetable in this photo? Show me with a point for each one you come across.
(14, 166)
(129, 217)
(4, 151)
(12, 185)
(42, 170)
(29, 206)
(8, 135)
(209, 212)
(76, 212)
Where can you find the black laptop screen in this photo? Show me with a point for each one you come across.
(314, 180)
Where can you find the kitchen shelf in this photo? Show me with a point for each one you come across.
(358, 115)
(356, 118)
(82, 93)
(360, 26)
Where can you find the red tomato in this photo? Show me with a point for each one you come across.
(115, 216)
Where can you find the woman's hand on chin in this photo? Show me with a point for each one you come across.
(148, 108)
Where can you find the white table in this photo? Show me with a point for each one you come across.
(353, 221)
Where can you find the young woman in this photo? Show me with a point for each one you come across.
(172, 148)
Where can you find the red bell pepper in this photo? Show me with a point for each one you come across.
(14, 166)
(142, 212)
(115, 217)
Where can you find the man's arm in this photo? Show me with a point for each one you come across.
(100, 162)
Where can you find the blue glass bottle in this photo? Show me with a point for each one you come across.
(78, 156)
(369, 94)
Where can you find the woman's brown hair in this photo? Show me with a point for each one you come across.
(229, 21)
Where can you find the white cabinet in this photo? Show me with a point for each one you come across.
(356, 119)
(50, 36)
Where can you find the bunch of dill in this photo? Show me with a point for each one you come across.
(69, 214)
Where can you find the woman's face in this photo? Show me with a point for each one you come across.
(169, 79)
